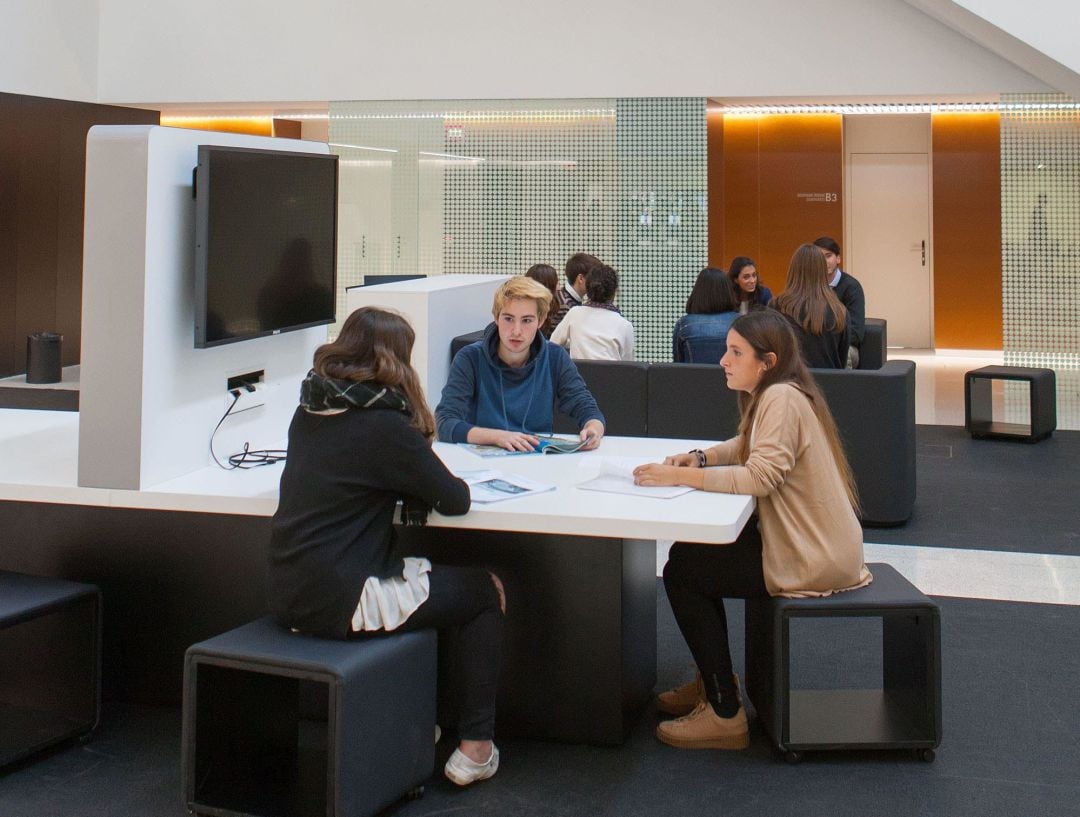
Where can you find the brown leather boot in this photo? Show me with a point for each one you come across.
(682, 700)
(704, 729)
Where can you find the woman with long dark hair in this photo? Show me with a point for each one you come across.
(805, 539)
(700, 336)
(359, 441)
(748, 287)
(816, 314)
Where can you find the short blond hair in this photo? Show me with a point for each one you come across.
(521, 288)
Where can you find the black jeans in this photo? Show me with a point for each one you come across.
(463, 606)
(697, 579)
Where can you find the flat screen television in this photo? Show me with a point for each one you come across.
(265, 242)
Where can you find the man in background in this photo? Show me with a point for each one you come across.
(572, 293)
(850, 293)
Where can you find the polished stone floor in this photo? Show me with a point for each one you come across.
(939, 388)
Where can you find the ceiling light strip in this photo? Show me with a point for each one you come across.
(896, 108)
(249, 117)
(460, 116)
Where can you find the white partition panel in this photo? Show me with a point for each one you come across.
(149, 399)
(439, 308)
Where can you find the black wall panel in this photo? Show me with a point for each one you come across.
(42, 186)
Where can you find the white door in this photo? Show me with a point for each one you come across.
(889, 242)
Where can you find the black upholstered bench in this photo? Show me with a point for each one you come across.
(1041, 385)
(903, 711)
(50, 662)
(277, 723)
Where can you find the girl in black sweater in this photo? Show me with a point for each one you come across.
(360, 441)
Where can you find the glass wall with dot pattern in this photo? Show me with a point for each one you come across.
(494, 186)
(1040, 230)
(1040, 243)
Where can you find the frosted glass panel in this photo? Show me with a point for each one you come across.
(494, 186)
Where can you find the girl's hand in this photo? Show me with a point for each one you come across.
(682, 460)
(654, 474)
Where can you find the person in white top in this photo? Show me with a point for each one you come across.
(597, 331)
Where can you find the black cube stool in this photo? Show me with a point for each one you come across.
(50, 662)
(278, 724)
(979, 409)
(903, 713)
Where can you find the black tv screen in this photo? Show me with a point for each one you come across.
(265, 242)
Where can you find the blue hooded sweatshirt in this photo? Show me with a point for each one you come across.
(483, 391)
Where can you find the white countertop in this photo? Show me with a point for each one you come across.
(39, 463)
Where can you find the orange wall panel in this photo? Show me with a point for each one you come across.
(967, 231)
(287, 128)
(255, 126)
(741, 212)
(783, 183)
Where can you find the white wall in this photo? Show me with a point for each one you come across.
(439, 309)
(49, 48)
(1051, 26)
(265, 50)
(149, 399)
(1037, 36)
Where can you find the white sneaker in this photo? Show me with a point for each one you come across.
(463, 770)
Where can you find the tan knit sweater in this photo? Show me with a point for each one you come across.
(811, 540)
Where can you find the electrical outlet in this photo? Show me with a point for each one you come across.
(248, 400)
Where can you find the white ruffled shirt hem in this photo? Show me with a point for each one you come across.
(385, 604)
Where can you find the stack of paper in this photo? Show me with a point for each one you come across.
(617, 477)
(494, 486)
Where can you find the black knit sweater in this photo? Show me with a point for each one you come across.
(334, 524)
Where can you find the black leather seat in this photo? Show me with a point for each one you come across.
(875, 413)
(621, 391)
(874, 349)
(691, 400)
(461, 341)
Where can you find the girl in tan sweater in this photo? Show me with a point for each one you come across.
(804, 541)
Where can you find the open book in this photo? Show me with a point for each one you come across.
(617, 477)
(494, 486)
(547, 445)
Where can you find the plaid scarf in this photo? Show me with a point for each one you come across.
(319, 393)
(610, 307)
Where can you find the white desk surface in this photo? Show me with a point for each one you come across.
(39, 463)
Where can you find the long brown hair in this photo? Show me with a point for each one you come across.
(375, 346)
(766, 331)
(807, 297)
(545, 274)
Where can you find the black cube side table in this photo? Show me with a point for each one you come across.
(979, 410)
(50, 662)
(904, 712)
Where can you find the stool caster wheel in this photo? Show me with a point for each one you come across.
(925, 755)
(415, 794)
(793, 757)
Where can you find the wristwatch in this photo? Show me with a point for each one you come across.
(697, 452)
